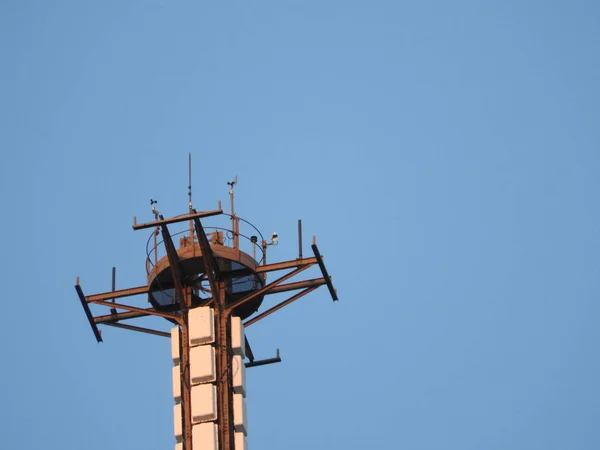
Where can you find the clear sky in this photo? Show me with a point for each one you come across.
(445, 153)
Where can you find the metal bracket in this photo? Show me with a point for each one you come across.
(319, 257)
(88, 313)
(264, 362)
(249, 353)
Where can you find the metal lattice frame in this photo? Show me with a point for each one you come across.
(178, 313)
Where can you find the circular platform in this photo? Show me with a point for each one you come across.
(238, 270)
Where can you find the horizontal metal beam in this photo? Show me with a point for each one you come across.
(139, 329)
(264, 362)
(177, 219)
(139, 310)
(297, 285)
(270, 268)
(324, 272)
(120, 316)
(116, 317)
(118, 294)
(286, 265)
(88, 313)
(280, 305)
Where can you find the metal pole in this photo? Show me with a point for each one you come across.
(186, 386)
(190, 207)
(224, 388)
(299, 239)
(233, 227)
(264, 249)
(235, 222)
(237, 233)
(155, 247)
(114, 280)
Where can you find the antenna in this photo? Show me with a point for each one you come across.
(209, 293)
(190, 207)
(190, 181)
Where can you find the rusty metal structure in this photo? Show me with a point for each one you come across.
(209, 268)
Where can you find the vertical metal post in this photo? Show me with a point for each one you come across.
(224, 387)
(155, 246)
(233, 228)
(114, 280)
(190, 207)
(237, 233)
(264, 249)
(235, 221)
(299, 239)
(186, 385)
(114, 287)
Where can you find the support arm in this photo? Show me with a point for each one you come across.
(174, 265)
(210, 264)
(324, 272)
(88, 313)
(267, 288)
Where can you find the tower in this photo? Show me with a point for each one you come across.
(208, 289)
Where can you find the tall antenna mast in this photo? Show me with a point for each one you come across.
(209, 293)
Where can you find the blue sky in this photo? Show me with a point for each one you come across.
(446, 155)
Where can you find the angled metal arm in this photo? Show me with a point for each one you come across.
(174, 264)
(210, 263)
(120, 316)
(135, 309)
(296, 285)
(324, 272)
(249, 353)
(267, 288)
(286, 265)
(88, 313)
(116, 317)
(280, 305)
(272, 267)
